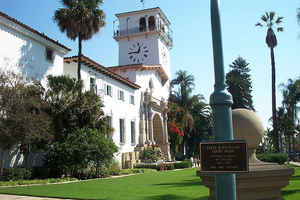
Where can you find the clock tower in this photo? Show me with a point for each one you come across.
(144, 37)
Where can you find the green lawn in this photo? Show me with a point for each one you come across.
(175, 185)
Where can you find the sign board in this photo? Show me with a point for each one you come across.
(224, 157)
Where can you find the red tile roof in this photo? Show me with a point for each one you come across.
(32, 30)
(97, 67)
(142, 67)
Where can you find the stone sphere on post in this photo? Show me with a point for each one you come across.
(246, 125)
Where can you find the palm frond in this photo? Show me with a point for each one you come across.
(279, 20)
(280, 29)
(271, 15)
(264, 18)
(259, 24)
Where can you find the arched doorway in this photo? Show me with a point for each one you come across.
(158, 130)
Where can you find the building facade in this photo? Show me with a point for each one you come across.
(134, 93)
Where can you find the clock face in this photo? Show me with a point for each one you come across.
(138, 53)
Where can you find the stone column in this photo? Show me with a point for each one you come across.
(147, 23)
(142, 137)
(165, 127)
(150, 125)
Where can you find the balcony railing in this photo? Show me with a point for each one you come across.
(137, 30)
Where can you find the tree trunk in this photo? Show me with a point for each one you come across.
(79, 57)
(274, 117)
(1, 161)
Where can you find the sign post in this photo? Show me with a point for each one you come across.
(221, 102)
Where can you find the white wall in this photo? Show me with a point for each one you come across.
(113, 107)
(23, 51)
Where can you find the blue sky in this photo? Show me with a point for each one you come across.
(192, 49)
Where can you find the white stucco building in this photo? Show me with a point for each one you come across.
(134, 93)
(28, 51)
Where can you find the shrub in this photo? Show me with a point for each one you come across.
(279, 158)
(150, 154)
(165, 166)
(13, 174)
(85, 148)
(40, 172)
(183, 164)
(114, 168)
(136, 171)
(146, 166)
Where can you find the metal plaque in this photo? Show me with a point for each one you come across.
(224, 157)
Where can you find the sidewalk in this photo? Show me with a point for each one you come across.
(14, 197)
(295, 163)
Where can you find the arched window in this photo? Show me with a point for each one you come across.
(151, 22)
(142, 24)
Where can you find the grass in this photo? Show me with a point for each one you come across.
(292, 191)
(175, 185)
(183, 184)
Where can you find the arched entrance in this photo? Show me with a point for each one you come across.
(158, 130)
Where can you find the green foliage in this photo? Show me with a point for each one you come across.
(70, 109)
(85, 148)
(166, 166)
(240, 84)
(23, 117)
(150, 155)
(146, 166)
(80, 19)
(279, 158)
(189, 113)
(13, 174)
(183, 164)
(136, 171)
(35, 181)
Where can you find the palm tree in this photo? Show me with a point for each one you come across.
(80, 19)
(185, 100)
(268, 20)
(298, 15)
(291, 96)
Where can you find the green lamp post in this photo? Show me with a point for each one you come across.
(221, 102)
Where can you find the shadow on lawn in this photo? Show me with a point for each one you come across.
(295, 178)
(185, 183)
(173, 197)
(289, 192)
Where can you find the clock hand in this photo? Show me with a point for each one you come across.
(139, 50)
(133, 52)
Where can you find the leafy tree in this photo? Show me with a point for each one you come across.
(82, 149)
(269, 21)
(291, 96)
(80, 19)
(24, 121)
(71, 111)
(240, 84)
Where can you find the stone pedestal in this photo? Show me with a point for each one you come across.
(264, 180)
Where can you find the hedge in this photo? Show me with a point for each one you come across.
(279, 158)
(13, 174)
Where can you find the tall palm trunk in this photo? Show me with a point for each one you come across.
(274, 117)
(1, 161)
(79, 57)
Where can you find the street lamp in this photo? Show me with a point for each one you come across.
(221, 102)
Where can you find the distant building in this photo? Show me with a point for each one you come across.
(134, 94)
